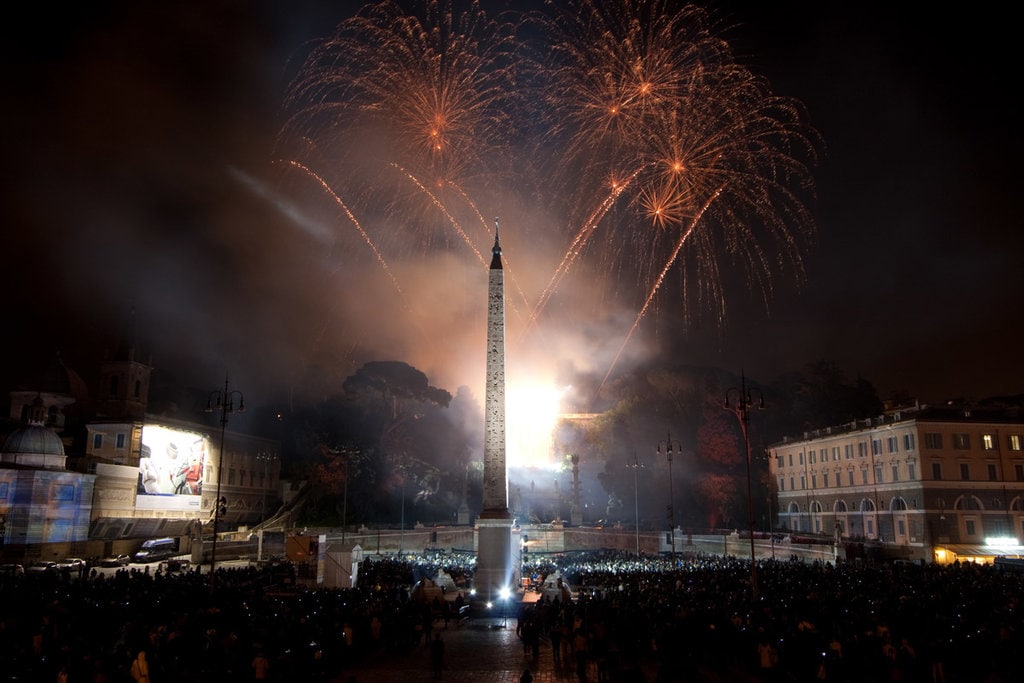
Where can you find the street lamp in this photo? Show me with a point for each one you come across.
(636, 465)
(740, 407)
(669, 447)
(225, 402)
(266, 457)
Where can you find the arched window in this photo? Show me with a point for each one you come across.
(867, 505)
(898, 504)
(794, 508)
(840, 506)
(968, 502)
(816, 507)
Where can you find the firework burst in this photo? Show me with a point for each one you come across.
(719, 160)
(657, 156)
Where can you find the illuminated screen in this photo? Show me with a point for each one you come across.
(171, 462)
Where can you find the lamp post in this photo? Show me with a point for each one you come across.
(635, 465)
(670, 446)
(740, 407)
(225, 402)
(266, 457)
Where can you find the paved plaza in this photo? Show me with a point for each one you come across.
(489, 651)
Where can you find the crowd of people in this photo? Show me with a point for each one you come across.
(627, 618)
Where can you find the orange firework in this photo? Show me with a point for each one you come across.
(655, 153)
(427, 92)
(640, 86)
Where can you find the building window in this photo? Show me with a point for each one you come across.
(231, 477)
(893, 444)
(835, 453)
(864, 475)
(988, 442)
(850, 477)
(933, 440)
(878, 474)
(969, 524)
(876, 447)
(895, 472)
(961, 442)
(97, 442)
(814, 480)
(1014, 442)
(862, 449)
(937, 471)
(801, 460)
(782, 483)
(792, 484)
(911, 471)
(120, 439)
(812, 456)
(908, 442)
(779, 462)
(790, 459)
(824, 480)
(870, 526)
(1018, 471)
(803, 482)
(965, 471)
(992, 473)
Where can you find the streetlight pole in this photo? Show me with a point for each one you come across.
(740, 407)
(225, 402)
(266, 457)
(669, 447)
(635, 465)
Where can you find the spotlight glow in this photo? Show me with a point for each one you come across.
(531, 414)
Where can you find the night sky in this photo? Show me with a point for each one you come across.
(142, 169)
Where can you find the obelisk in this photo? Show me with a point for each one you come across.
(494, 567)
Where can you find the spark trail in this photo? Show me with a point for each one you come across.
(576, 248)
(657, 283)
(355, 221)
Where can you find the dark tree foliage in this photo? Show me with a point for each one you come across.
(687, 406)
(383, 450)
(818, 396)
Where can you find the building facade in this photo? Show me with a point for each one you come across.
(925, 483)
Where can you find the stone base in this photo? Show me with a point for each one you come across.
(495, 568)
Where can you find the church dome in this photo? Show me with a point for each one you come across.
(34, 439)
(34, 445)
(56, 378)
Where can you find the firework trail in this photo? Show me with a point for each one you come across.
(487, 235)
(657, 285)
(637, 85)
(576, 248)
(411, 107)
(355, 221)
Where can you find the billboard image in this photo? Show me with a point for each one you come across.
(172, 462)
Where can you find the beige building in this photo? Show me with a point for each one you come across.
(931, 483)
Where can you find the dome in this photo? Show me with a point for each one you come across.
(57, 378)
(34, 440)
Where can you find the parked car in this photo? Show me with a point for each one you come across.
(174, 565)
(42, 566)
(115, 561)
(74, 564)
(11, 569)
